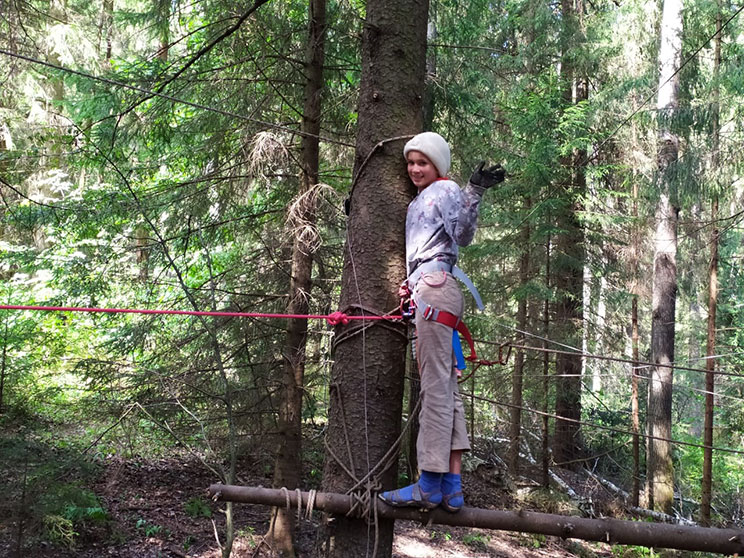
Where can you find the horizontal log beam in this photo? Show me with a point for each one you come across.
(612, 531)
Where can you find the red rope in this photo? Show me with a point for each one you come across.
(332, 319)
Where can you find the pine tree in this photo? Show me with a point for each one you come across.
(367, 380)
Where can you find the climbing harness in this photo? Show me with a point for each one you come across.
(428, 312)
(410, 304)
(436, 265)
(413, 306)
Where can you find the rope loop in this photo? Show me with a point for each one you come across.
(309, 506)
(310, 503)
(503, 360)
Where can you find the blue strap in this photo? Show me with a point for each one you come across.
(457, 346)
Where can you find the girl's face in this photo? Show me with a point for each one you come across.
(421, 170)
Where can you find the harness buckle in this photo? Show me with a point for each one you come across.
(407, 309)
(428, 312)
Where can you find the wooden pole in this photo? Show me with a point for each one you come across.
(612, 531)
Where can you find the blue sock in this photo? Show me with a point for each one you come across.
(430, 486)
(451, 483)
(430, 482)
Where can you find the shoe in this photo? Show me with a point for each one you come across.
(453, 502)
(412, 496)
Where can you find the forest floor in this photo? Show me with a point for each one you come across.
(159, 508)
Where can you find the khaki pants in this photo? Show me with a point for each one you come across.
(442, 415)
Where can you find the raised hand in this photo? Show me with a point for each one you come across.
(487, 177)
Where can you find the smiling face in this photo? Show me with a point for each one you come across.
(421, 170)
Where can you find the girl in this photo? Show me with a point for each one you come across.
(440, 218)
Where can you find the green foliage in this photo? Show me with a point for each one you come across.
(441, 534)
(68, 508)
(90, 513)
(197, 507)
(531, 540)
(60, 530)
(188, 542)
(46, 480)
(149, 529)
(476, 541)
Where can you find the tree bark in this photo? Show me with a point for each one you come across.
(710, 363)
(635, 367)
(163, 8)
(429, 103)
(105, 31)
(367, 378)
(660, 470)
(601, 321)
(4, 363)
(518, 374)
(546, 375)
(636, 490)
(142, 251)
(568, 315)
(288, 466)
(431, 74)
(569, 266)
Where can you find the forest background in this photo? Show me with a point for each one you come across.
(196, 155)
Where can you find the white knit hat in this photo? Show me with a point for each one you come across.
(434, 147)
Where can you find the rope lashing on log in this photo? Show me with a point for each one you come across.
(310, 502)
(611, 531)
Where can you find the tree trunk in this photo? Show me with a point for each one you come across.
(568, 315)
(367, 378)
(288, 466)
(415, 384)
(4, 364)
(105, 31)
(517, 376)
(710, 363)
(163, 8)
(635, 494)
(431, 74)
(601, 321)
(634, 340)
(142, 251)
(660, 471)
(52, 162)
(569, 264)
(707, 493)
(546, 376)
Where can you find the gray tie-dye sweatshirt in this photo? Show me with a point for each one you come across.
(439, 219)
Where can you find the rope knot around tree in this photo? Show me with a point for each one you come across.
(335, 318)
